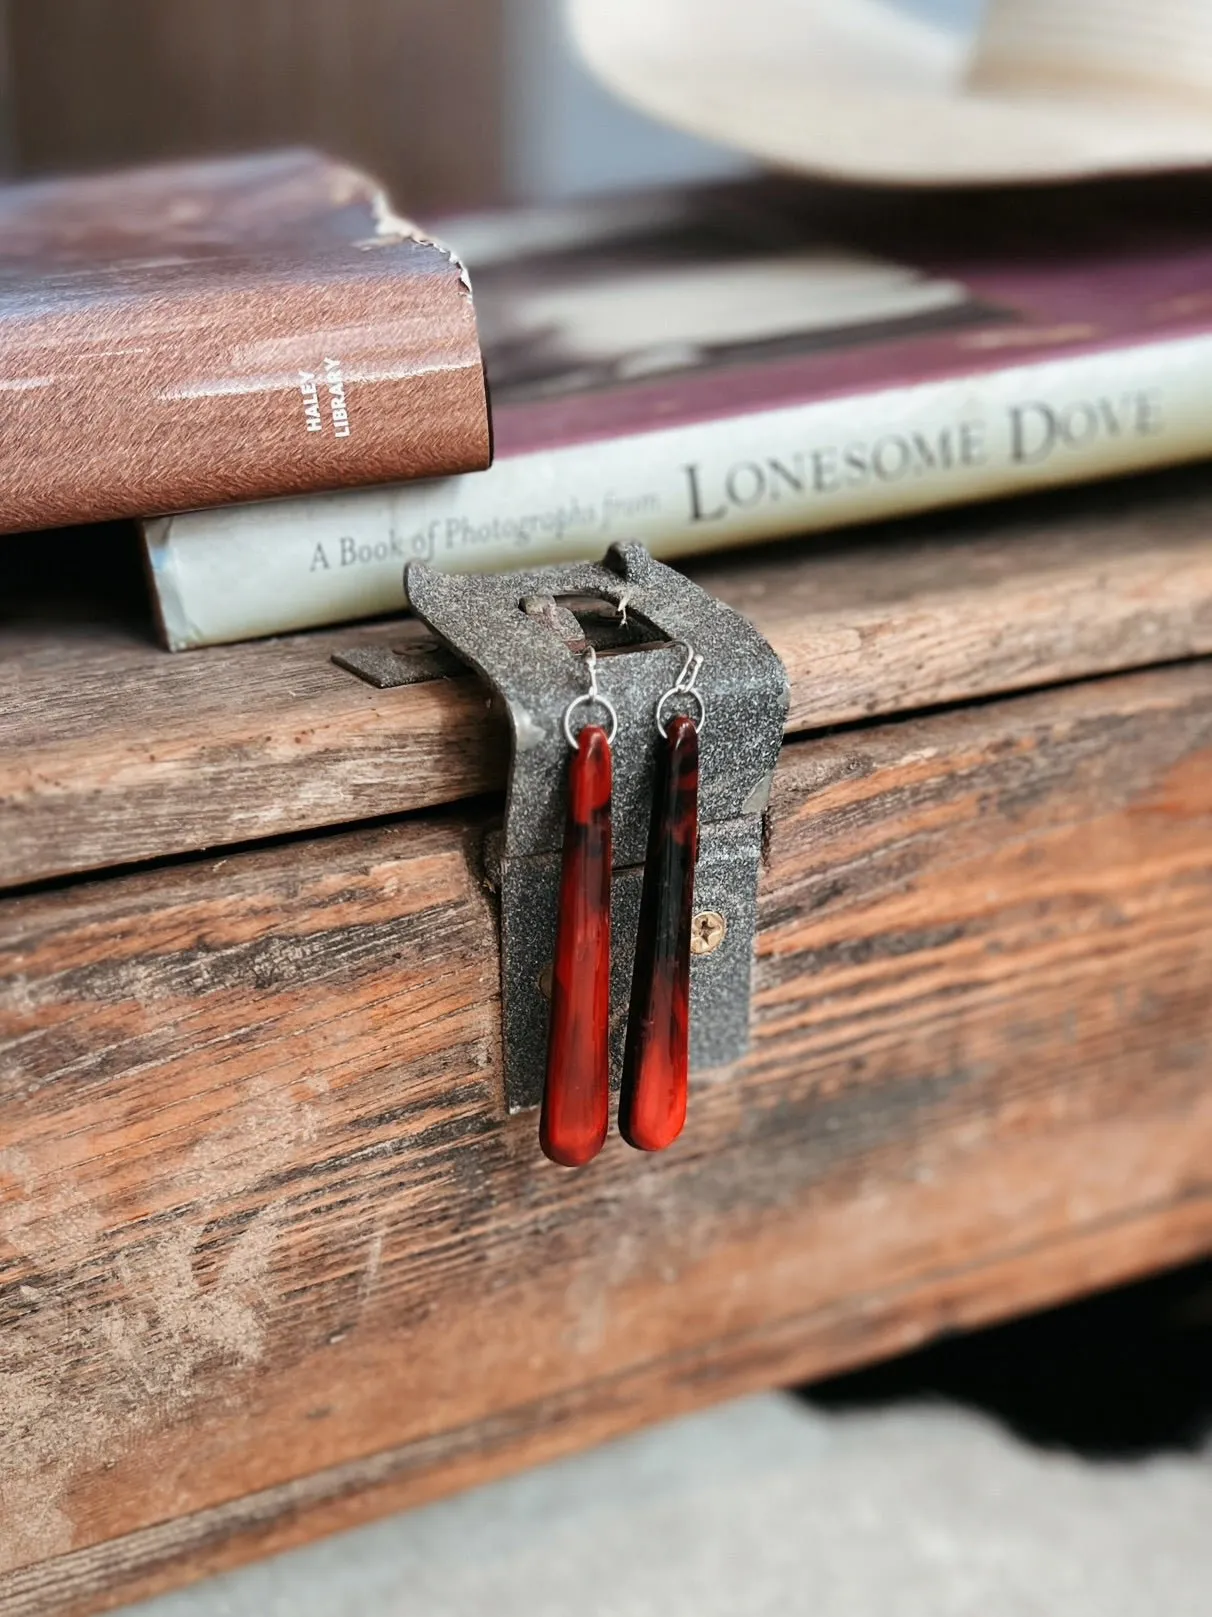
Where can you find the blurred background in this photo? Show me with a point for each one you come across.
(461, 104)
(453, 103)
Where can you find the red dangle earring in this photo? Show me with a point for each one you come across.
(656, 1065)
(576, 1095)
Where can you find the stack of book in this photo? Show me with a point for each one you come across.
(283, 382)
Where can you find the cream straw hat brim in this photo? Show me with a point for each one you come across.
(862, 90)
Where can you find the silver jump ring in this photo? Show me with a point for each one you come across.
(695, 696)
(686, 684)
(581, 701)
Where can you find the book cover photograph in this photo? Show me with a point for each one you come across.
(690, 291)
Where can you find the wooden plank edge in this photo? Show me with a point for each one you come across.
(844, 1335)
(245, 743)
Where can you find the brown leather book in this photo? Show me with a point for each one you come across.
(197, 333)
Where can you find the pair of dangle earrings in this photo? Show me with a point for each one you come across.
(576, 1095)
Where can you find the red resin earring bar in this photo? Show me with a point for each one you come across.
(576, 1096)
(652, 1109)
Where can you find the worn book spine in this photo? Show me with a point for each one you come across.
(263, 569)
(269, 384)
(200, 334)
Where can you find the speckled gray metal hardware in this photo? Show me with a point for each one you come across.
(526, 634)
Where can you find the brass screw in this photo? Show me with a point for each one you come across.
(707, 931)
(545, 980)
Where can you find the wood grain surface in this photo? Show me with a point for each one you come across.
(111, 751)
(411, 88)
(6, 96)
(273, 1258)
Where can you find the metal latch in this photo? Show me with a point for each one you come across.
(526, 634)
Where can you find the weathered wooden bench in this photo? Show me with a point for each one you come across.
(274, 1258)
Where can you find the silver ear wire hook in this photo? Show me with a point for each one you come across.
(690, 671)
(685, 685)
(591, 696)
